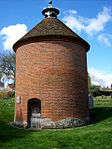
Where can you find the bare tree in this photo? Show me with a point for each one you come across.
(7, 66)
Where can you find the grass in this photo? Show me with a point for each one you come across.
(97, 136)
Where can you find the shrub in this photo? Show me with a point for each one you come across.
(95, 91)
(11, 94)
(3, 94)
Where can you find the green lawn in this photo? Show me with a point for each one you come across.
(97, 136)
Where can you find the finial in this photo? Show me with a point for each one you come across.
(50, 4)
(50, 12)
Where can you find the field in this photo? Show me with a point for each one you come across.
(97, 136)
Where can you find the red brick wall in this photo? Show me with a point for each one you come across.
(56, 73)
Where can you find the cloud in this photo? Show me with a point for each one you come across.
(100, 78)
(90, 25)
(70, 11)
(11, 34)
(105, 39)
(97, 24)
(73, 23)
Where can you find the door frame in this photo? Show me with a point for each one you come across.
(32, 101)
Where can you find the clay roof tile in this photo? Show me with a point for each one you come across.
(50, 27)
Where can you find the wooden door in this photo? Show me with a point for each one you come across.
(35, 114)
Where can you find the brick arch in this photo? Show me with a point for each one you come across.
(34, 106)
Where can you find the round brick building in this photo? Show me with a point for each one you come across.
(51, 88)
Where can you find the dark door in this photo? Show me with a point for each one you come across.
(35, 113)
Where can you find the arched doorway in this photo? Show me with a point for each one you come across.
(34, 113)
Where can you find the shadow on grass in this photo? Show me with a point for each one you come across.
(99, 114)
(9, 134)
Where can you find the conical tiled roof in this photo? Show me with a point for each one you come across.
(50, 27)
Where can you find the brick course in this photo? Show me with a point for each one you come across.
(56, 73)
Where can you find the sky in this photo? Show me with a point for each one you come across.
(90, 19)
